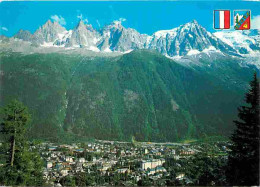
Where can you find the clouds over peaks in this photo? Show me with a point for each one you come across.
(58, 19)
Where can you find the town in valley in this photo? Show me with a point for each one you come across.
(124, 163)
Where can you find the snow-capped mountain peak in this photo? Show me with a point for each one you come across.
(47, 33)
(244, 42)
(116, 24)
(24, 35)
(173, 32)
(81, 24)
(163, 33)
(113, 26)
(50, 26)
(190, 36)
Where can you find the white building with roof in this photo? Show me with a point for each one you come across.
(153, 163)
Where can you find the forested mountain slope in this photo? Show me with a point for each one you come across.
(141, 94)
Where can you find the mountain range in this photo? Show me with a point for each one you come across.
(188, 39)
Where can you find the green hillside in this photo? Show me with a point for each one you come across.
(141, 94)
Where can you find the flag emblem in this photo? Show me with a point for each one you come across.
(242, 19)
(221, 19)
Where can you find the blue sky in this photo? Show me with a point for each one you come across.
(145, 17)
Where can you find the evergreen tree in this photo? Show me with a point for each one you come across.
(68, 181)
(22, 166)
(243, 163)
(205, 170)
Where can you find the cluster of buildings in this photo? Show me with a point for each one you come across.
(109, 158)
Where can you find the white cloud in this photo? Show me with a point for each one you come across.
(85, 20)
(98, 23)
(122, 19)
(81, 17)
(4, 29)
(255, 22)
(58, 19)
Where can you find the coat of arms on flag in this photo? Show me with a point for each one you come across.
(242, 19)
(221, 19)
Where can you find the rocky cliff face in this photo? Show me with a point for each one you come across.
(48, 33)
(24, 35)
(115, 37)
